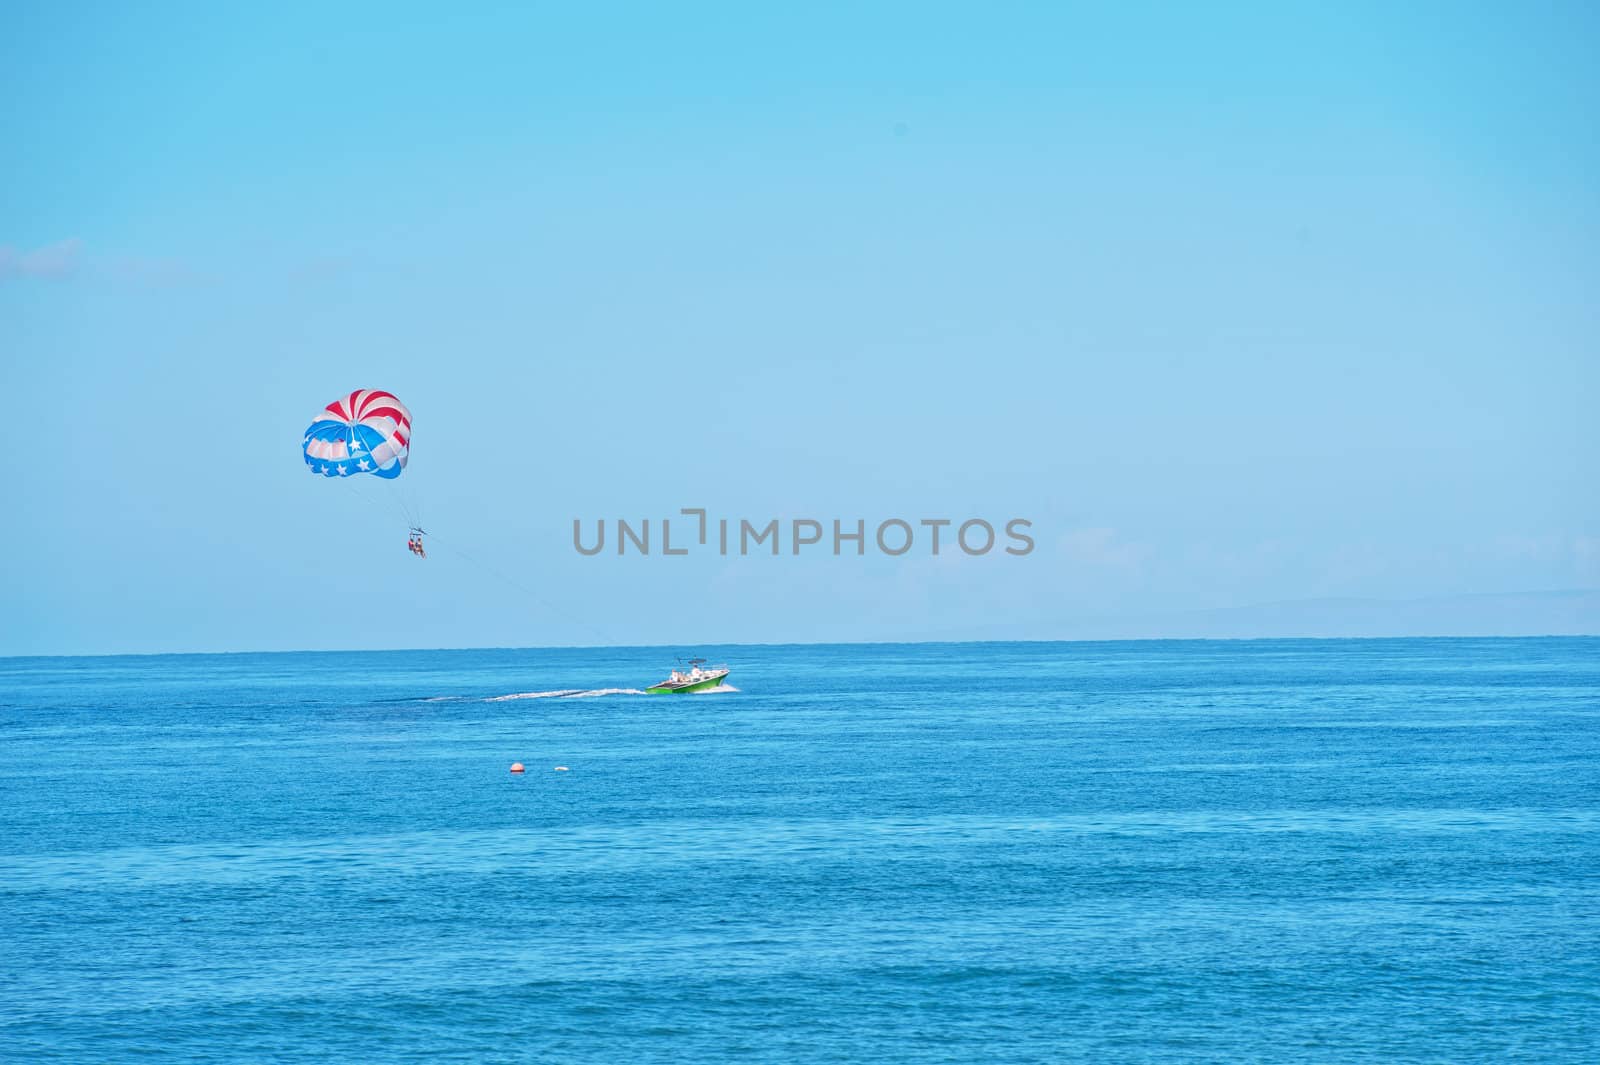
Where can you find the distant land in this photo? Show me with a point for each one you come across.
(1573, 612)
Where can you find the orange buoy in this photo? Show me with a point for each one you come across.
(562, 769)
(516, 767)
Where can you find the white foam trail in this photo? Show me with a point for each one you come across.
(566, 693)
(557, 694)
(714, 691)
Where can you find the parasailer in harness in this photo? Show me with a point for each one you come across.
(414, 544)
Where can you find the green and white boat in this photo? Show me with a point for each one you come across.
(698, 677)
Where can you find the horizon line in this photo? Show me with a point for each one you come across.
(813, 643)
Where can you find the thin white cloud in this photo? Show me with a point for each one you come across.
(56, 261)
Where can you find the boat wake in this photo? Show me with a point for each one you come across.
(590, 693)
(566, 693)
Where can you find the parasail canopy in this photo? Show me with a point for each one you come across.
(368, 431)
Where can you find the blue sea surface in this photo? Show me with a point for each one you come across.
(1342, 851)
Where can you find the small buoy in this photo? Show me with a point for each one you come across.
(516, 767)
(562, 769)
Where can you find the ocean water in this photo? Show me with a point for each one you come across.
(1342, 851)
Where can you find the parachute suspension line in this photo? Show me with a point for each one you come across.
(373, 500)
(529, 592)
(413, 508)
(414, 536)
(405, 497)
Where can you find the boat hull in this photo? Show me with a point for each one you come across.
(689, 687)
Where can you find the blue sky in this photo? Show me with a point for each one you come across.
(1237, 303)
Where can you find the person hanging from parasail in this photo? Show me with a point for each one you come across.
(414, 544)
